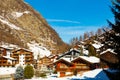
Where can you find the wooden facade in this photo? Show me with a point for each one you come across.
(23, 56)
(44, 64)
(82, 64)
(3, 51)
(5, 59)
(65, 66)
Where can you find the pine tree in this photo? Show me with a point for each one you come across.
(19, 74)
(113, 36)
(91, 50)
(28, 72)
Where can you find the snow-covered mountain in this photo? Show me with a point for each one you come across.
(20, 24)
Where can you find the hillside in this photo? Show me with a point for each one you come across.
(21, 24)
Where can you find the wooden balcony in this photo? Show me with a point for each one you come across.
(28, 56)
(71, 69)
(5, 64)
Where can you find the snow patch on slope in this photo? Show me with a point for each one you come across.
(19, 14)
(38, 50)
(12, 26)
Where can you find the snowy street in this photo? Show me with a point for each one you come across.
(97, 74)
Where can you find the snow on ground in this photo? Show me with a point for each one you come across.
(12, 26)
(7, 70)
(91, 74)
(49, 78)
(38, 50)
(97, 74)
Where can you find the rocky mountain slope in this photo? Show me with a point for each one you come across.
(21, 24)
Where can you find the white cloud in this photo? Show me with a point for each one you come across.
(59, 20)
(72, 30)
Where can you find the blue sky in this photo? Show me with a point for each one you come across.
(71, 18)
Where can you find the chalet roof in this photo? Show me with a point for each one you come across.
(22, 49)
(91, 59)
(86, 52)
(9, 58)
(6, 48)
(64, 59)
(108, 50)
(97, 46)
(112, 58)
(69, 52)
(9, 46)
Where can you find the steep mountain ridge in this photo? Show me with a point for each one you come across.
(21, 24)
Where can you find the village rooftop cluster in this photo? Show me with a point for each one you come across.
(65, 64)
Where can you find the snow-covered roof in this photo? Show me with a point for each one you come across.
(86, 52)
(97, 46)
(65, 59)
(7, 57)
(91, 59)
(108, 50)
(74, 49)
(22, 49)
(8, 46)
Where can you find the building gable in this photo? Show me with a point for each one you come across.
(70, 54)
(109, 56)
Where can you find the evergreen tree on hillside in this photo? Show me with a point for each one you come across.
(113, 36)
(112, 40)
(91, 50)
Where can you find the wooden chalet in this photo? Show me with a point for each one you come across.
(23, 56)
(83, 63)
(63, 67)
(44, 64)
(5, 59)
(73, 53)
(3, 51)
(108, 57)
(53, 57)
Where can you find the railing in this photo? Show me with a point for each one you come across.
(29, 56)
(71, 69)
(7, 65)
